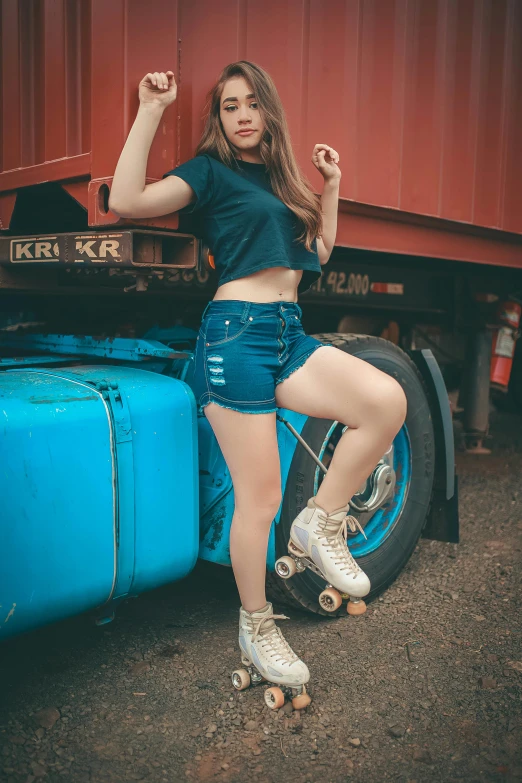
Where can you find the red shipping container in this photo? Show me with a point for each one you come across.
(421, 98)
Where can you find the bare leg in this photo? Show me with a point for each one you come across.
(249, 446)
(335, 385)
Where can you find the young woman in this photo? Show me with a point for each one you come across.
(269, 235)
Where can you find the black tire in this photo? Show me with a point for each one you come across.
(385, 563)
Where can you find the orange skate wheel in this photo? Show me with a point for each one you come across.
(285, 567)
(240, 679)
(356, 607)
(274, 698)
(302, 701)
(330, 599)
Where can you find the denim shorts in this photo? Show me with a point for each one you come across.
(244, 349)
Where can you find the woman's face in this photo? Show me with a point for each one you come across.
(241, 119)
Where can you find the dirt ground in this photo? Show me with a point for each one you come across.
(427, 686)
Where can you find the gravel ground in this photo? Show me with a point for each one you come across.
(427, 686)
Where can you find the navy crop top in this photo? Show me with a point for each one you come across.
(246, 226)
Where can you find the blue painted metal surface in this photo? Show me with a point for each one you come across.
(134, 493)
(122, 348)
(217, 495)
(31, 361)
(384, 519)
(99, 489)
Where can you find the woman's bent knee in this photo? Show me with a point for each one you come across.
(386, 404)
(395, 404)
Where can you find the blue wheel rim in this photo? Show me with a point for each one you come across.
(384, 519)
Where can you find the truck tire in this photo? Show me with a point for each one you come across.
(395, 529)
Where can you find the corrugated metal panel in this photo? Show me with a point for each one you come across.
(422, 98)
(45, 81)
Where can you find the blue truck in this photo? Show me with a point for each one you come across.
(111, 484)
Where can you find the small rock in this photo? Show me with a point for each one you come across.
(172, 649)
(47, 717)
(251, 743)
(487, 682)
(354, 742)
(250, 725)
(139, 668)
(212, 728)
(41, 732)
(423, 755)
(479, 618)
(17, 740)
(288, 709)
(137, 656)
(38, 770)
(492, 658)
(397, 731)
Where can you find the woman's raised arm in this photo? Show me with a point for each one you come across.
(129, 196)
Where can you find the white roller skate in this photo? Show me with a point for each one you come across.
(318, 542)
(267, 656)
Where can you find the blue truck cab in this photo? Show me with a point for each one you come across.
(111, 484)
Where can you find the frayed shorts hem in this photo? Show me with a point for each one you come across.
(201, 406)
(301, 361)
(273, 409)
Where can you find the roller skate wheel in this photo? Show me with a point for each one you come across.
(355, 607)
(330, 599)
(240, 679)
(274, 698)
(285, 567)
(301, 702)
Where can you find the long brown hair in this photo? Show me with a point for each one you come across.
(288, 182)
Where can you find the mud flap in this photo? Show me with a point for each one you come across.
(443, 520)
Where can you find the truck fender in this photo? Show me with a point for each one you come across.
(443, 520)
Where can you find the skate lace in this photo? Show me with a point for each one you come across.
(334, 535)
(273, 641)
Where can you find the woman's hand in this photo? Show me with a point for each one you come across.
(158, 89)
(325, 158)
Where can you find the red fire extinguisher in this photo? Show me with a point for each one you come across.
(504, 339)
